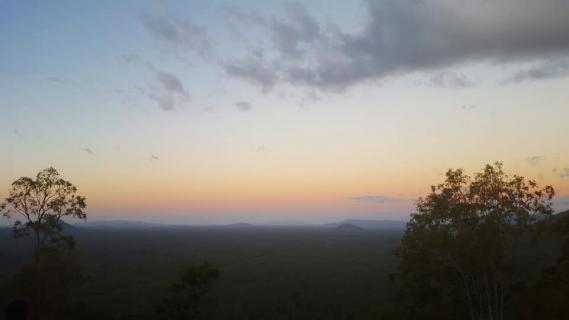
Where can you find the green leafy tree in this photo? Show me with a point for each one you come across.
(456, 256)
(40, 204)
(186, 295)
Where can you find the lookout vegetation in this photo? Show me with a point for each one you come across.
(481, 247)
(39, 206)
(460, 255)
(49, 287)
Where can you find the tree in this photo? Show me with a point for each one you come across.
(456, 256)
(40, 204)
(52, 284)
(548, 296)
(186, 294)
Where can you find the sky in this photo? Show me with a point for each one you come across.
(278, 112)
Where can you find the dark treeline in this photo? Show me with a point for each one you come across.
(487, 247)
(49, 288)
(477, 249)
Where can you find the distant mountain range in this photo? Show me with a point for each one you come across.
(117, 224)
(345, 225)
(376, 224)
(355, 223)
(239, 225)
(348, 228)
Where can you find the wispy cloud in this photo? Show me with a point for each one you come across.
(183, 34)
(287, 35)
(170, 93)
(209, 110)
(165, 101)
(154, 158)
(564, 173)
(88, 150)
(452, 80)
(58, 80)
(308, 98)
(545, 70)
(18, 134)
(380, 199)
(130, 58)
(534, 160)
(253, 70)
(171, 83)
(243, 106)
(468, 107)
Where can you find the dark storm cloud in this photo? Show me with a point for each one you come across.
(180, 33)
(413, 35)
(243, 106)
(379, 199)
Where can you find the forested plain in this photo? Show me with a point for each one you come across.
(265, 272)
(486, 247)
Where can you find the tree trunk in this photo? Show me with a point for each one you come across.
(37, 245)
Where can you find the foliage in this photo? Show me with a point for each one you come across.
(40, 204)
(49, 285)
(548, 297)
(456, 254)
(194, 282)
(343, 276)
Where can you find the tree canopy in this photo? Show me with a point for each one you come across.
(456, 254)
(185, 295)
(40, 203)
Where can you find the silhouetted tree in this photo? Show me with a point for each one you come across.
(40, 205)
(548, 297)
(456, 254)
(51, 283)
(186, 294)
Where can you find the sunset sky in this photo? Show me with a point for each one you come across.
(274, 111)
